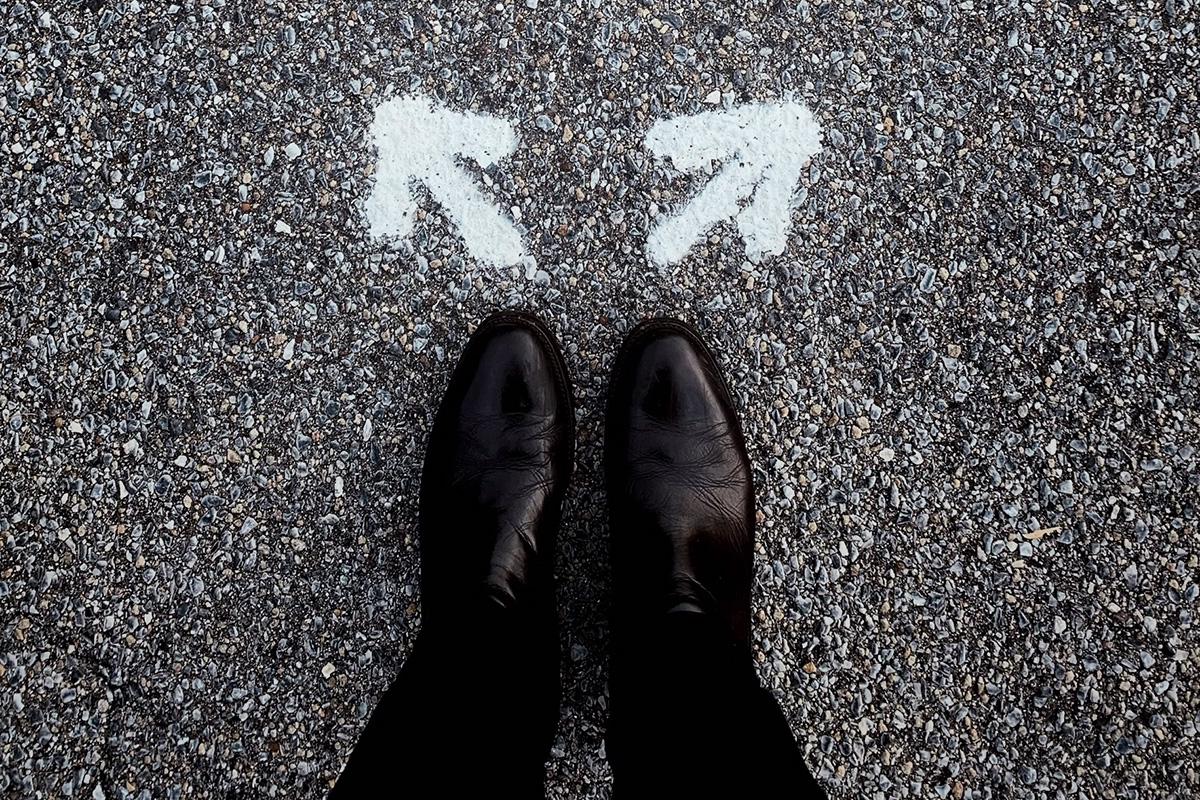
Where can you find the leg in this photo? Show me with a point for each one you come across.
(688, 717)
(475, 707)
(451, 705)
(690, 720)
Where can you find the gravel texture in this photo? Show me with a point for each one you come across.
(970, 384)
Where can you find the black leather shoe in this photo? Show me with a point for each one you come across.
(679, 485)
(499, 459)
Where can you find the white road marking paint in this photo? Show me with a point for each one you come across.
(418, 142)
(763, 148)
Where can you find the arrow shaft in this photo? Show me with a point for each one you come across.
(764, 224)
(487, 233)
(719, 200)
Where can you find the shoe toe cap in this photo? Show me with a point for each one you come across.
(513, 376)
(671, 380)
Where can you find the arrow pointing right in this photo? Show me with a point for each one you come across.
(764, 147)
(419, 142)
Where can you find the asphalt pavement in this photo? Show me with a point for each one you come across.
(961, 322)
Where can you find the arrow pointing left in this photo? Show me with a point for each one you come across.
(418, 141)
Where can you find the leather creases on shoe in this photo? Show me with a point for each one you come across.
(680, 487)
(496, 471)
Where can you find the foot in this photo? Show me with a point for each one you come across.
(496, 470)
(679, 485)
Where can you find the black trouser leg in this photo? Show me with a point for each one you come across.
(474, 709)
(689, 719)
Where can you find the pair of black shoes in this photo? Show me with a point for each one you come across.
(500, 458)
(474, 711)
(686, 716)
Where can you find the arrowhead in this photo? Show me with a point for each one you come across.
(764, 148)
(418, 141)
(418, 129)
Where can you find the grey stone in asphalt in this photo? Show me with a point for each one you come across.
(969, 384)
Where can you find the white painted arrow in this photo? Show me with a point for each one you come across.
(418, 142)
(763, 149)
